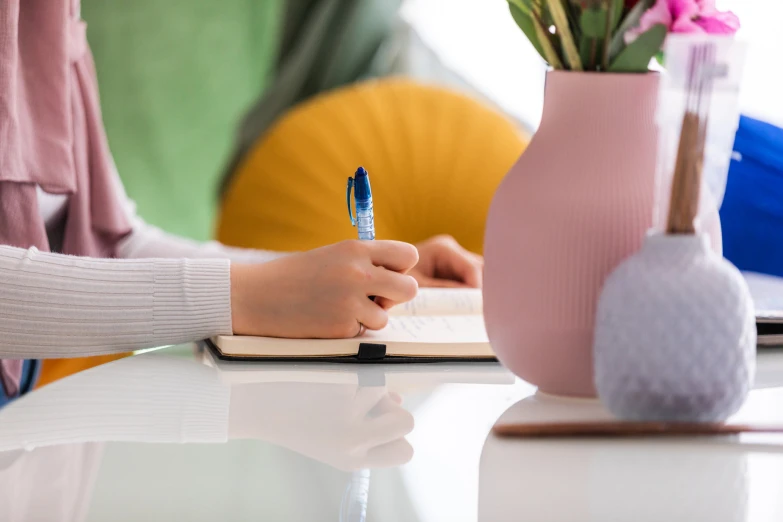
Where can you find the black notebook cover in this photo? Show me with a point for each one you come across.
(369, 353)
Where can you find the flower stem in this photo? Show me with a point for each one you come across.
(564, 31)
(607, 40)
(545, 38)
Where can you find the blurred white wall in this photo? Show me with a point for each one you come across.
(480, 40)
(762, 91)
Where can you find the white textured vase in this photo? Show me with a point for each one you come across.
(675, 336)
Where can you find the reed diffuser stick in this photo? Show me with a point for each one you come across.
(686, 183)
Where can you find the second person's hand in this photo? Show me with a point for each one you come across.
(323, 293)
(443, 262)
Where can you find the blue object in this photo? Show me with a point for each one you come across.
(30, 370)
(364, 219)
(353, 507)
(752, 210)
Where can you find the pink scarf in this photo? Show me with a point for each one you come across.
(51, 134)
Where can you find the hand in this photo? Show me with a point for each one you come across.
(345, 426)
(444, 263)
(323, 293)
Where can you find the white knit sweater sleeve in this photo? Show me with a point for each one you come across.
(53, 305)
(165, 290)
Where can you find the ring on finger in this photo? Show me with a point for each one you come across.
(362, 329)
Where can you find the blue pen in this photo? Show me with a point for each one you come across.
(354, 505)
(364, 219)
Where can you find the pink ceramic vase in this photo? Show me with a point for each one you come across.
(578, 202)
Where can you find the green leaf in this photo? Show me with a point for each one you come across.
(593, 23)
(560, 18)
(528, 26)
(637, 56)
(617, 12)
(573, 22)
(585, 46)
(631, 21)
(524, 5)
(614, 14)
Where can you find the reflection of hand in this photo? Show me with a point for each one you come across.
(342, 425)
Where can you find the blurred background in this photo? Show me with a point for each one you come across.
(478, 39)
(176, 78)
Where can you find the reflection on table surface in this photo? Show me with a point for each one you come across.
(728, 479)
(159, 435)
(172, 435)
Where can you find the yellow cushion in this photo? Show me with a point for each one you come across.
(56, 369)
(435, 158)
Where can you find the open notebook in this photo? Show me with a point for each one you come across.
(438, 325)
(447, 324)
(397, 377)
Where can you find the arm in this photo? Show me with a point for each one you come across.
(53, 305)
(159, 398)
(149, 398)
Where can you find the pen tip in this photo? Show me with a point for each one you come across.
(361, 172)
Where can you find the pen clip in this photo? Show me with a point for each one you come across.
(348, 201)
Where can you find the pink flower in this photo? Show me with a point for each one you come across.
(686, 16)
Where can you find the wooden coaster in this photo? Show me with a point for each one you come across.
(625, 429)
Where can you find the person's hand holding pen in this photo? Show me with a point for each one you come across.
(443, 262)
(323, 293)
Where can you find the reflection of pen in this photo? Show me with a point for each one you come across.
(364, 219)
(354, 504)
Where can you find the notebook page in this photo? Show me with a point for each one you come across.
(442, 301)
(435, 329)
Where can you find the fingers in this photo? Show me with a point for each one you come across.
(388, 403)
(392, 454)
(360, 329)
(463, 265)
(392, 286)
(367, 398)
(393, 255)
(374, 401)
(372, 316)
(452, 262)
(386, 428)
(430, 282)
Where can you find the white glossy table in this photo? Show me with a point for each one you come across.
(167, 435)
